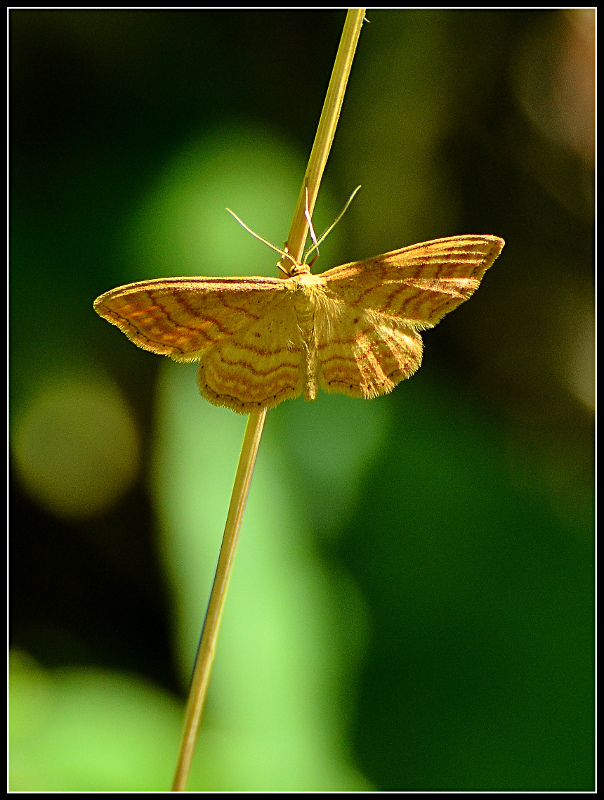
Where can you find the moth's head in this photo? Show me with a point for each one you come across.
(298, 269)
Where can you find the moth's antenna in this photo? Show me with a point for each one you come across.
(311, 230)
(282, 253)
(331, 227)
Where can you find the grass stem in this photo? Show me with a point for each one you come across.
(253, 432)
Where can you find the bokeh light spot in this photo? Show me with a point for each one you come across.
(76, 447)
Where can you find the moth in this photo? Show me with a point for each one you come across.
(353, 329)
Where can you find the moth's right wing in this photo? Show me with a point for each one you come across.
(417, 285)
(368, 340)
(363, 354)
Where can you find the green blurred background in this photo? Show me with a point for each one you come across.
(412, 603)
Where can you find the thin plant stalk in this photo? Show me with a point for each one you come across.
(211, 626)
(326, 130)
(253, 432)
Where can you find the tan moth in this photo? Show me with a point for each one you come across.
(353, 329)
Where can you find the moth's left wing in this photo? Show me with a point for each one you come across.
(417, 285)
(185, 317)
(260, 365)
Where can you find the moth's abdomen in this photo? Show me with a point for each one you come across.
(308, 295)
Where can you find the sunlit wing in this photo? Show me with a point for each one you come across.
(183, 317)
(417, 284)
(259, 365)
(362, 354)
